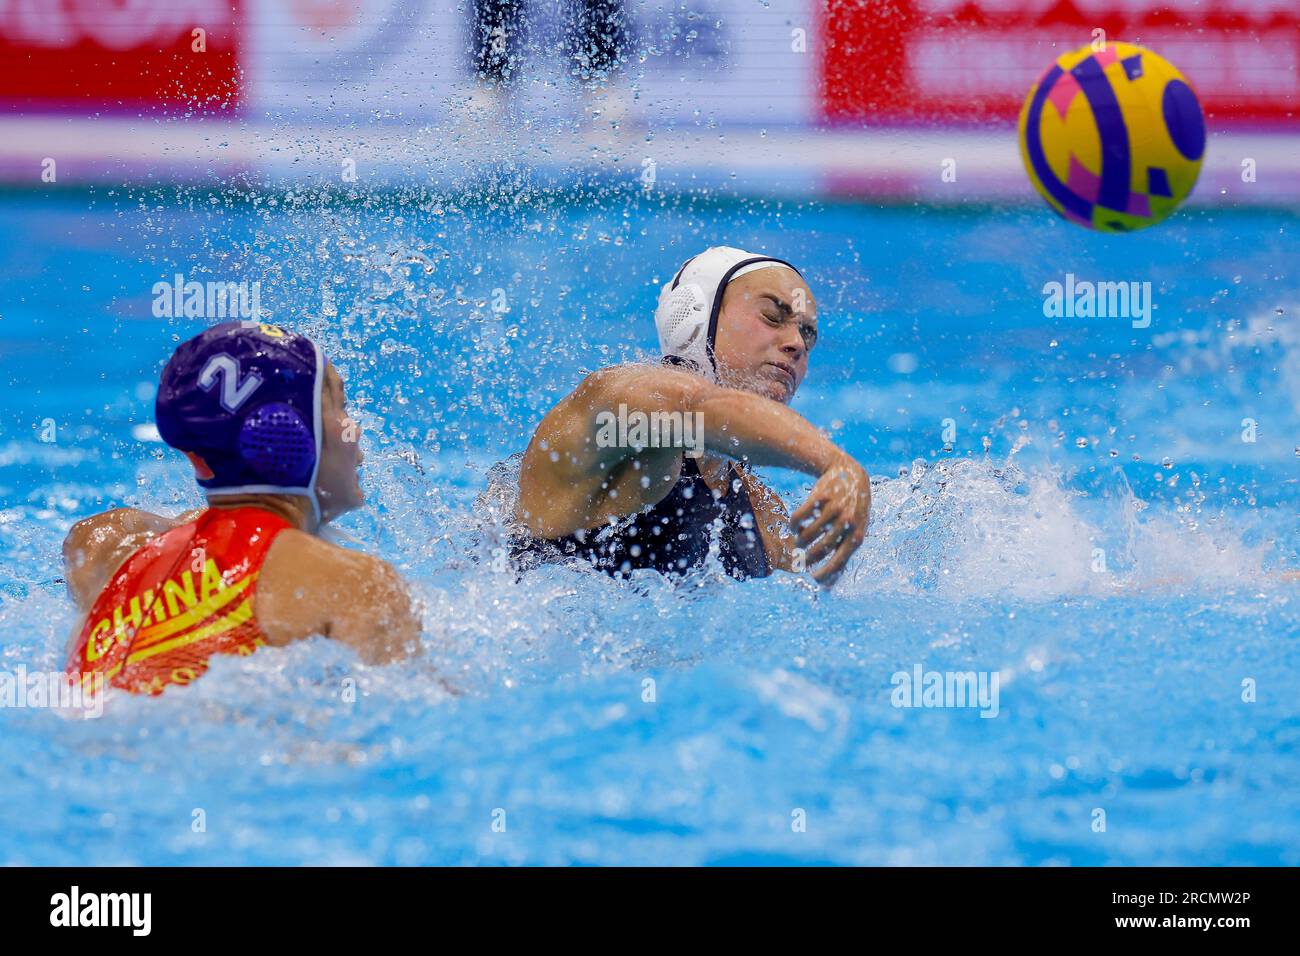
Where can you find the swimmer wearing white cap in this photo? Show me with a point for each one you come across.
(601, 481)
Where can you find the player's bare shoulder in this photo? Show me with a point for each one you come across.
(94, 547)
(310, 586)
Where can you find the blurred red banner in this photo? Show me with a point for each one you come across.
(119, 54)
(975, 60)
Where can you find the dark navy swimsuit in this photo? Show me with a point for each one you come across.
(672, 537)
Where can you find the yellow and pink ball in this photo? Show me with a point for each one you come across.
(1113, 139)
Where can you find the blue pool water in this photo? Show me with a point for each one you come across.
(1121, 690)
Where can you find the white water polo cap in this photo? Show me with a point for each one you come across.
(687, 314)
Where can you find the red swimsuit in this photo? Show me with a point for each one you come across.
(183, 597)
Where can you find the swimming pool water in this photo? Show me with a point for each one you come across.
(1121, 690)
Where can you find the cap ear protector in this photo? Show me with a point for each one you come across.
(687, 319)
(276, 442)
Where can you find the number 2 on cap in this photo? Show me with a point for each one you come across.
(233, 392)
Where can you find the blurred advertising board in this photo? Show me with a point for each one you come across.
(780, 62)
(119, 55)
(725, 60)
(974, 60)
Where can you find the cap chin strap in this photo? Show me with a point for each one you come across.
(315, 509)
(688, 364)
(318, 388)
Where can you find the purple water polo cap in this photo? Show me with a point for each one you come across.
(242, 400)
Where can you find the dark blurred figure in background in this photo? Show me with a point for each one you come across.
(595, 42)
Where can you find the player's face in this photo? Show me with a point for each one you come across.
(766, 328)
(338, 481)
